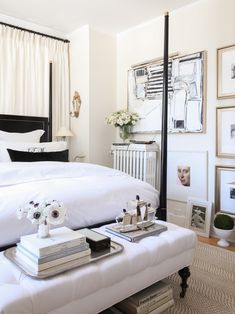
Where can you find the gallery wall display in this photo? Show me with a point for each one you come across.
(187, 175)
(186, 91)
(226, 72)
(225, 189)
(199, 216)
(225, 132)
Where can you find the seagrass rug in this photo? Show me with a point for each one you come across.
(211, 284)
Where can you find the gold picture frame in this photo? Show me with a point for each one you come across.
(226, 72)
(225, 132)
(225, 189)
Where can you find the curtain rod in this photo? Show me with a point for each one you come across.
(33, 32)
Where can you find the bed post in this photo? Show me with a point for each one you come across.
(162, 209)
(50, 104)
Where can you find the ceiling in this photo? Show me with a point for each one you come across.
(111, 16)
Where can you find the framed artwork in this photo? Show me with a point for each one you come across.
(225, 132)
(186, 94)
(199, 216)
(226, 72)
(225, 189)
(187, 175)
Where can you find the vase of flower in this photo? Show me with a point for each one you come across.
(43, 214)
(124, 132)
(43, 230)
(124, 120)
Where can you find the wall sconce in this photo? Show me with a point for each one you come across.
(63, 132)
(76, 105)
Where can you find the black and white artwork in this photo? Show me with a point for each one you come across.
(199, 216)
(233, 71)
(232, 131)
(185, 91)
(232, 192)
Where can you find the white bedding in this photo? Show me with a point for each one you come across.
(91, 193)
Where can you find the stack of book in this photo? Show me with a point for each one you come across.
(63, 245)
(152, 300)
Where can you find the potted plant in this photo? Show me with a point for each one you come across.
(223, 227)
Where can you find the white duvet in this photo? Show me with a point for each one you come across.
(91, 193)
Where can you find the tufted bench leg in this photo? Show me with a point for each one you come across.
(184, 274)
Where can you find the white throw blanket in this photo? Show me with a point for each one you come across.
(91, 193)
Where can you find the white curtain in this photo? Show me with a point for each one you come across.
(24, 75)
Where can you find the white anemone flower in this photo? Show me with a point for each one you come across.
(55, 213)
(21, 212)
(36, 214)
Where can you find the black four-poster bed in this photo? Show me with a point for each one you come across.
(21, 124)
(14, 123)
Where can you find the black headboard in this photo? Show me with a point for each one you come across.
(21, 124)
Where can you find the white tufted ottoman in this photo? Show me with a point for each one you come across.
(92, 288)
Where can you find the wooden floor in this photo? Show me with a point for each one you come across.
(213, 241)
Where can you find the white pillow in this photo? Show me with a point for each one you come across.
(29, 147)
(32, 137)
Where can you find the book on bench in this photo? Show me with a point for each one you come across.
(60, 239)
(135, 235)
(37, 267)
(153, 299)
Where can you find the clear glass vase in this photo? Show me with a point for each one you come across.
(124, 132)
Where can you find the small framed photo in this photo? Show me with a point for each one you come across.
(187, 175)
(199, 216)
(225, 132)
(226, 72)
(225, 189)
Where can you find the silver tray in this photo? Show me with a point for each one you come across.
(52, 271)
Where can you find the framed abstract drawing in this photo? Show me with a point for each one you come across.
(186, 94)
(225, 132)
(187, 175)
(226, 72)
(225, 189)
(198, 216)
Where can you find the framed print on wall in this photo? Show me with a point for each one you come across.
(186, 94)
(226, 72)
(225, 132)
(199, 216)
(187, 175)
(225, 189)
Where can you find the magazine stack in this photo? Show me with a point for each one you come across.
(152, 300)
(62, 246)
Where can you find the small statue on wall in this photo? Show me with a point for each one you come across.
(76, 105)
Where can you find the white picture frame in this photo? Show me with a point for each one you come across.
(187, 175)
(225, 189)
(198, 216)
(226, 72)
(186, 94)
(225, 132)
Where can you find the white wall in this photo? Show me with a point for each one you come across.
(80, 80)
(204, 25)
(102, 95)
(32, 26)
(93, 75)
